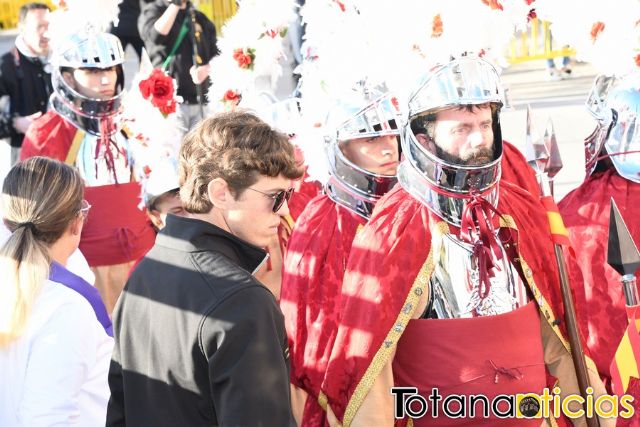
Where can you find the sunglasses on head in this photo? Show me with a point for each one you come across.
(278, 198)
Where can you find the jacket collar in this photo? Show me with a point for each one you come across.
(194, 235)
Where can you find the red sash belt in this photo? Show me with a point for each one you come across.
(489, 355)
(117, 231)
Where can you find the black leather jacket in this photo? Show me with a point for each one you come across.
(199, 341)
(28, 86)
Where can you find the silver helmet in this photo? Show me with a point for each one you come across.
(621, 136)
(444, 186)
(596, 105)
(370, 112)
(88, 49)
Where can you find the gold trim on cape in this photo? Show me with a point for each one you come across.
(383, 354)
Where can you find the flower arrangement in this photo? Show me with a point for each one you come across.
(160, 90)
(231, 98)
(245, 57)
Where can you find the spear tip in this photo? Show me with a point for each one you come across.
(554, 164)
(622, 253)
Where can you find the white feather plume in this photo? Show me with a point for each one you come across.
(606, 36)
(396, 43)
(156, 139)
(75, 16)
(259, 26)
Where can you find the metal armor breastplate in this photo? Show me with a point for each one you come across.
(454, 285)
(97, 171)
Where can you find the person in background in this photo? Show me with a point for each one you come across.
(612, 165)
(84, 129)
(55, 334)
(363, 151)
(127, 28)
(168, 33)
(25, 81)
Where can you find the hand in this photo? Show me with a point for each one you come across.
(21, 124)
(182, 4)
(199, 73)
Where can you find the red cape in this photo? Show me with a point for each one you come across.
(389, 268)
(50, 136)
(313, 269)
(600, 302)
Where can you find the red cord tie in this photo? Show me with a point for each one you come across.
(106, 141)
(509, 372)
(478, 230)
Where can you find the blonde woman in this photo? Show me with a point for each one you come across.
(55, 334)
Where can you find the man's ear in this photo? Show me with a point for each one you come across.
(219, 194)
(68, 78)
(426, 142)
(155, 218)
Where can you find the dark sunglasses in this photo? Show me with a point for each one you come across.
(278, 198)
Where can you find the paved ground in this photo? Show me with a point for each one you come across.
(563, 101)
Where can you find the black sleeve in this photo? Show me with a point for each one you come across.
(115, 407)
(149, 14)
(245, 345)
(212, 39)
(6, 119)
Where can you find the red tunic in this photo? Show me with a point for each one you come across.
(117, 230)
(314, 265)
(389, 268)
(484, 365)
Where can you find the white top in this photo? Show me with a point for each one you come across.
(56, 373)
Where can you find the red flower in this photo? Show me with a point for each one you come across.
(436, 26)
(168, 108)
(159, 89)
(147, 170)
(637, 59)
(493, 4)
(341, 5)
(231, 97)
(531, 15)
(245, 57)
(528, 2)
(596, 29)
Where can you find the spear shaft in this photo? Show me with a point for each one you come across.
(197, 60)
(544, 158)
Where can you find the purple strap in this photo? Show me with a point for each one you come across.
(59, 274)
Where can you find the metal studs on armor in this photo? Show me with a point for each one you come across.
(398, 328)
(407, 308)
(418, 291)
